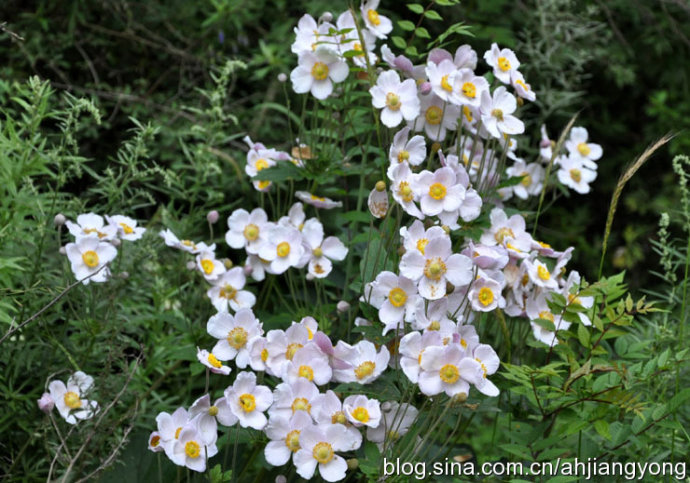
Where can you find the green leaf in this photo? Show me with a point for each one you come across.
(602, 427)
(415, 7)
(422, 33)
(280, 172)
(583, 335)
(432, 15)
(678, 399)
(406, 25)
(411, 50)
(399, 42)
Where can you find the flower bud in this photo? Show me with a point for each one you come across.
(425, 88)
(282, 77)
(247, 270)
(124, 275)
(460, 397)
(191, 265)
(59, 219)
(342, 306)
(63, 251)
(115, 242)
(46, 403)
(352, 464)
(227, 263)
(212, 217)
(326, 17)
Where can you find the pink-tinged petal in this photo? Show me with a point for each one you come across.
(459, 270)
(305, 463)
(432, 290)
(412, 265)
(338, 71)
(334, 470)
(322, 89)
(430, 383)
(277, 453)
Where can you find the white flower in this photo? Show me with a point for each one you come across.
(468, 88)
(127, 228)
(308, 363)
(436, 266)
(208, 416)
(320, 252)
(532, 181)
(379, 25)
(91, 225)
(364, 364)
(540, 275)
(248, 401)
(438, 191)
(211, 361)
(377, 201)
(402, 150)
(485, 295)
(235, 333)
(290, 398)
(308, 34)
(402, 190)
(432, 315)
(87, 256)
(155, 442)
(395, 297)
(281, 346)
(465, 58)
(497, 112)
(189, 449)
(227, 290)
(282, 248)
(170, 426)
(295, 217)
(442, 78)
(436, 117)
(579, 148)
(537, 308)
(185, 245)
(412, 349)
(448, 369)
(503, 62)
(209, 266)
(487, 358)
(350, 41)
(317, 201)
(398, 100)
(327, 410)
(573, 174)
(245, 229)
(416, 238)
(571, 291)
(317, 447)
(362, 411)
(284, 434)
(69, 399)
(522, 88)
(506, 230)
(317, 71)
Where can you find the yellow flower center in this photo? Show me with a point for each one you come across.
(449, 373)
(177, 432)
(283, 249)
(318, 252)
(434, 325)
(127, 229)
(405, 191)
(403, 156)
(522, 84)
(543, 272)
(437, 191)
(189, 243)
(291, 349)
(397, 297)
(247, 402)
(90, 258)
(261, 164)
(584, 149)
(319, 71)
(307, 372)
(72, 400)
(155, 441)
(323, 452)
(264, 355)
(393, 101)
(525, 280)
(498, 114)
(421, 244)
(300, 404)
(445, 85)
(486, 296)
(357, 47)
(263, 184)
(469, 90)
(361, 414)
(373, 17)
(546, 315)
(228, 292)
(214, 361)
(237, 338)
(483, 366)
(467, 112)
(576, 175)
(463, 343)
(317, 198)
(526, 179)
(251, 232)
(192, 449)
(338, 417)
(207, 266)
(213, 410)
(318, 269)
(365, 369)
(434, 269)
(502, 233)
(292, 440)
(503, 64)
(433, 115)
